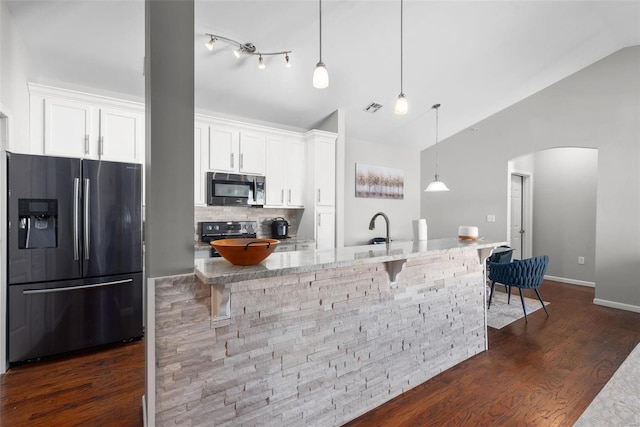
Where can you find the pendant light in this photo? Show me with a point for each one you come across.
(436, 185)
(402, 106)
(320, 74)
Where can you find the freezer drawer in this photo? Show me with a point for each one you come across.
(51, 318)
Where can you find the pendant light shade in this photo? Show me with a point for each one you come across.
(436, 185)
(320, 74)
(402, 106)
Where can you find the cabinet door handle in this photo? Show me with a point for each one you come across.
(319, 220)
(318, 195)
(231, 160)
(282, 196)
(101, 146)
(241, 160)
(86, 144)
(289, 195)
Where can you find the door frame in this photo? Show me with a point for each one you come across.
(5, 144)
(527, 208)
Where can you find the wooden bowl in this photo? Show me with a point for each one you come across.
(245, 251)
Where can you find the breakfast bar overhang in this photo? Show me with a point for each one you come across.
(314, 337)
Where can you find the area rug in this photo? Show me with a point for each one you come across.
(500, 314)
(617, 404)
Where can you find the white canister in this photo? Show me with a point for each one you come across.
(419, 229)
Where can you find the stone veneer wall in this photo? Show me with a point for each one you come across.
(316, 348)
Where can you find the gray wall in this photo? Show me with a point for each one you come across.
(564, 211)
(358, 210)
(597, 107)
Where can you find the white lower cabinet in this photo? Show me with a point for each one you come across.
(325, 228)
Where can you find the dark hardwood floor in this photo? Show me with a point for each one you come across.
(545, 372)
(100, 388)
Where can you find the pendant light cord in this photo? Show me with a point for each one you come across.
(401, 46)
(320, 2)
(436, 107)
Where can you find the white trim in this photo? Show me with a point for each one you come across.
(44, 91)
(150, 354)
(618, 305)
(5, 144)
(570, 281)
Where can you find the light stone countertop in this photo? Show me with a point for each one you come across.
(220, 271)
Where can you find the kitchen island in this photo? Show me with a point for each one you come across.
(314, 337)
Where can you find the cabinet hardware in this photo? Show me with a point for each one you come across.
(282, 195)
(86, 144)
(289, 195)
(101, 146)
(241, 160)
(318, 195)
(231, 160)
(319, 220)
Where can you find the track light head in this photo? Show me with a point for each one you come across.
(211, 43)
(287, 62)
(261, 63)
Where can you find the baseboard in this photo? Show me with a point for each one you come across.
(618, 305)
(571, 281)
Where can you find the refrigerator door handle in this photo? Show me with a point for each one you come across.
(87, 183)
(74, 288)
(76, 219)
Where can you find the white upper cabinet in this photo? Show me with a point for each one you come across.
(121, 136)
(74, 124)
(285, 172)
(236, 150)
(67, 128)
(223, 149)
(200, 160)
(325, 151)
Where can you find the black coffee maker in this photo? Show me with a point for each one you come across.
(279, 228)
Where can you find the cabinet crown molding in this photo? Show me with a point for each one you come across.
(45, 91)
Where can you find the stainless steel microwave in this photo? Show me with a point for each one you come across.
(228, 189)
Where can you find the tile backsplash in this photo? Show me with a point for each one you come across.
(262, 215)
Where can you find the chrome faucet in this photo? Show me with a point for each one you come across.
(372, 224)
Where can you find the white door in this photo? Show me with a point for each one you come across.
(223, 149)
(276, 163)
(295, 173)
(517, 231)
(325, 228)
(326, 172)
(252, 152)
(67, 127)
(121, 134)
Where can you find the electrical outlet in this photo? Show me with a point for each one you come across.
(491, 218)
(581, 260)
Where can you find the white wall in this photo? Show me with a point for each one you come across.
(597, 107)
(15, 68)
(359, 211)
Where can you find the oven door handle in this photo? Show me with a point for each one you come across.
(74, 288)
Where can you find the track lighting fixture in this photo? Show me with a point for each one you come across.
(246, 49)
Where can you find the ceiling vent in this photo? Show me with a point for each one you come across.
(373, 107)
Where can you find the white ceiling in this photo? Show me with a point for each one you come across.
(473, 57)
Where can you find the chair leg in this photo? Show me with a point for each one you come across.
(493, 285)
(523, 307)
(541, 302)
(508, 290)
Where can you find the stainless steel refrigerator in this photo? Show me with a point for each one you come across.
(74, 254)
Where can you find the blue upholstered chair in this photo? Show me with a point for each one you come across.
(523, 274)
(501, 254)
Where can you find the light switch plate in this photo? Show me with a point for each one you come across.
(491, 218)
